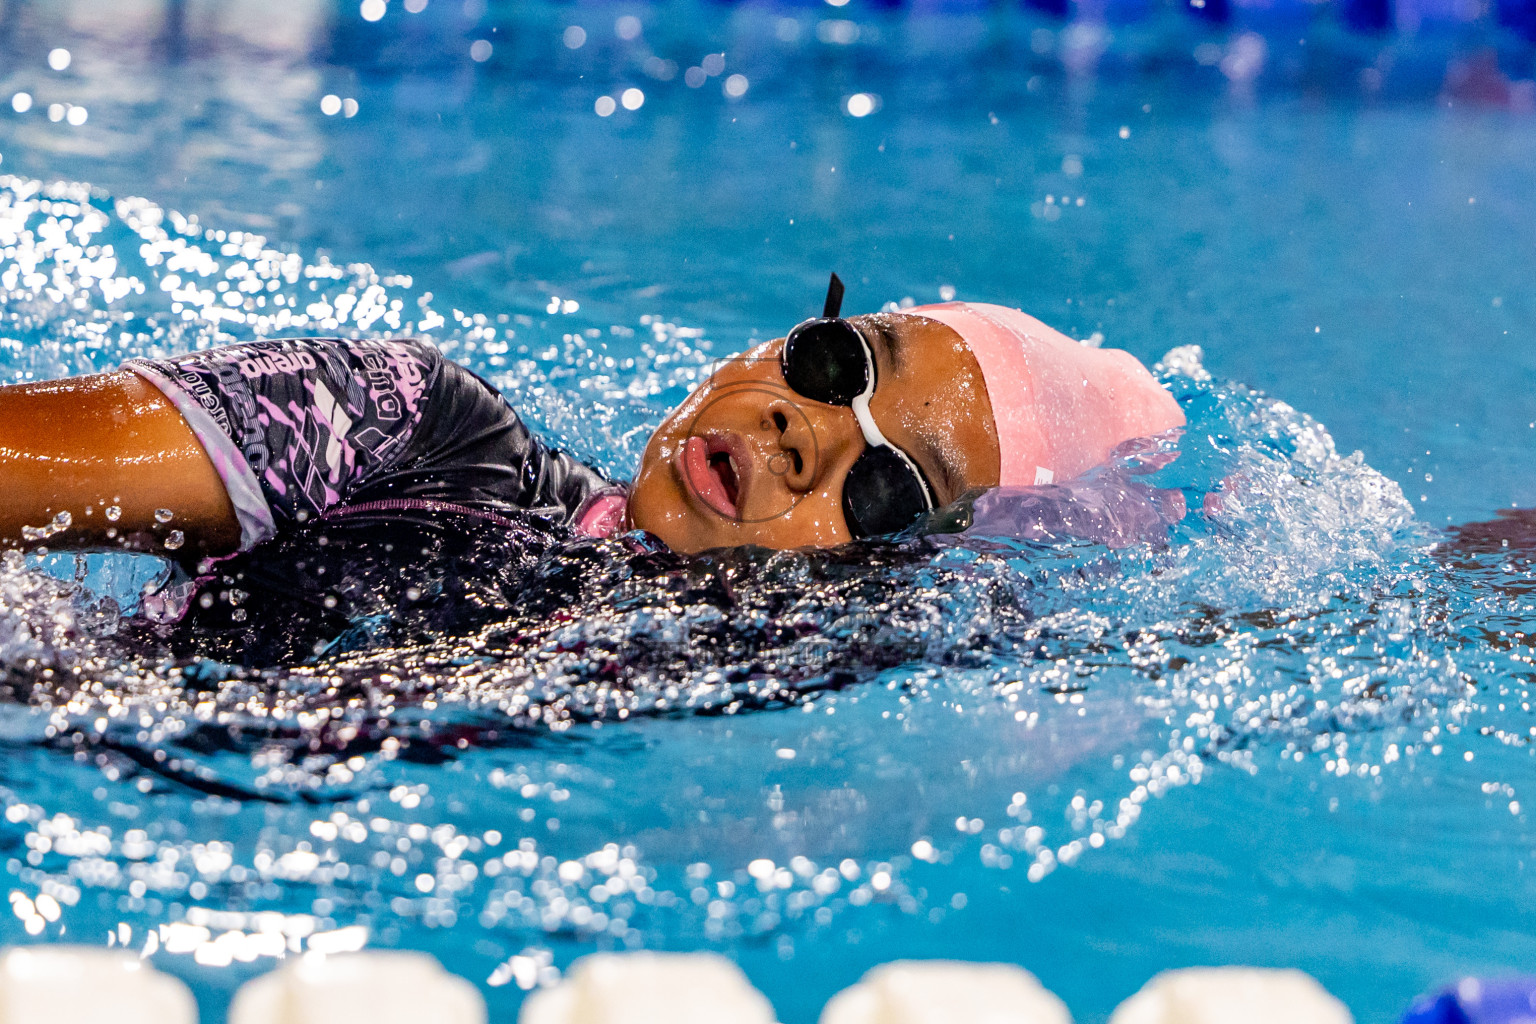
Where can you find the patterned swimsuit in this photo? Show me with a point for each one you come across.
(369, 477)
(299, 428)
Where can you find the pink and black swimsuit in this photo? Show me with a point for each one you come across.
(373, 480)
(307, 427)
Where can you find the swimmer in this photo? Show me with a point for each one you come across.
(845, 429)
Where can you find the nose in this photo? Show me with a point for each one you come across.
(807, 440)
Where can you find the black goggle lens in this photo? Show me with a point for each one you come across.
(880, 494)
(824, 361)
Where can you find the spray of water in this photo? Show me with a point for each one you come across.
(1294, 613)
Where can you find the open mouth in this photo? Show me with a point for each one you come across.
(710, 470)
(724, 469)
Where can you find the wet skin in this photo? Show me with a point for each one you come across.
(110, 450)
(768, 465)
(765, 465)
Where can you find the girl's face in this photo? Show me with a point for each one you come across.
(746, 460)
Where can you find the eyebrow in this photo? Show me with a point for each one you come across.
(893, 344)
(947, 473)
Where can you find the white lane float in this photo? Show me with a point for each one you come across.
(64, 984)
(649, 988)
(378, 987)
(1232, 995)
(946, 992)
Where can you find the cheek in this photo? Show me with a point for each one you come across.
(673, 428)
(815, 521)
(658, 507)
(726, 401)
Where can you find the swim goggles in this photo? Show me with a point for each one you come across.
(827, 360)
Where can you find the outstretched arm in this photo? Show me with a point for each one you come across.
(114, 454)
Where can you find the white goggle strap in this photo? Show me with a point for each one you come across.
(872, 435)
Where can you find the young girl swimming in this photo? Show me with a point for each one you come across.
(844, 429)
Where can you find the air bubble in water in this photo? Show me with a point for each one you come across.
(114, 513)
(163, 515)
(174, 540)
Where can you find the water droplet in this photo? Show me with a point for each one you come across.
(174, 540)
(62, 521)
(163, 515)
(114, 513)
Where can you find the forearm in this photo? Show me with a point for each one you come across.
(106, 460)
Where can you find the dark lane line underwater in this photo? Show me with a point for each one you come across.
(1265, 702)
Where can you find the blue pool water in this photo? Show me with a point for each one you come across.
(1299, 734)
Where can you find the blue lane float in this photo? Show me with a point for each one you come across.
(1519, 15)
(1479, 1001)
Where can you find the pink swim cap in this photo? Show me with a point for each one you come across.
(1061, 407)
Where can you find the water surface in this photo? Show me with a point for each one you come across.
(1296, 733)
